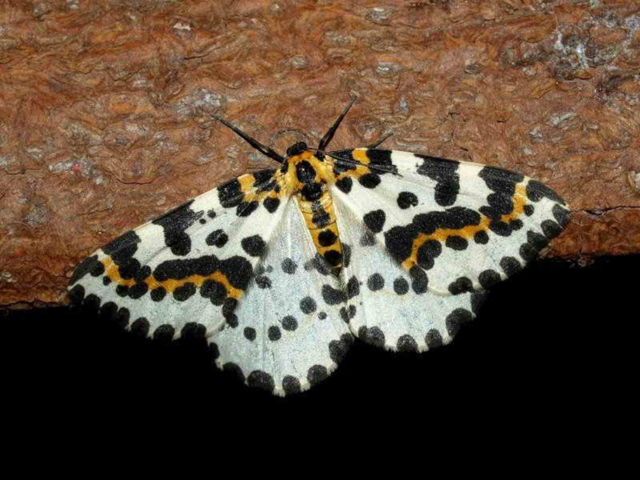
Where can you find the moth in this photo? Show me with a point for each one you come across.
(279, 270)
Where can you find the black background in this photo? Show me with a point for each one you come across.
(548, 347)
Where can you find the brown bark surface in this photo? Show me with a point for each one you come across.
(105, 107)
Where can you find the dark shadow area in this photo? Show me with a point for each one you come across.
(545, 346)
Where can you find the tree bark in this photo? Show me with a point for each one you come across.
(105, 108)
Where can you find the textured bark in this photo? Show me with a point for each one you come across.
(105, 107)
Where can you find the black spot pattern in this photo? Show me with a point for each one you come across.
(274, 333)
(419, 280)
(316, 374)
(369, 180)
(433, 338)
(407, 199)
(327, 238)
(455, 242)
(551, 229)
(289, 266)
(400, 286)
(406, 343)
(488, 278)
(510, 265)
(254, 245)
(339, 348)
(217, 238)
(230, 194)
(184, 292)
(461, 285)
(193, 331)
(353, 287)
(536, 191)
(158, 294)
(561, 215)
(375, 282)
(399, 240)
(164, 333)
(263, 281)
(481, 237)
(308, 305)
(262, 380)
(373, 336)
(289, 323)
(374, 220)
(529, 209)
(346, 254)
(345, 184)
(175, 223)
(250, 333)
(215, 291)
(140, 327)
(122, 317)
(291, 385)
(444, 173)
(332, 296)
(271, 204)
(367, 240)
(456, 319)
(90, 265)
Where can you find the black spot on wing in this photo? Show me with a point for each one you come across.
(316, 374)
(289, 266)
(373, 336)
(308, 305)
(260, 379)
(380, 161)
(217, 238)
(339, 348)
(230, 194)
(271, 204)
(247, 208)
(254, 245)
(345, 184)
(406, 200)
(433, 338)
(445, 173)
(369, 180)
(291, 385)
(90, 265)
(456, 319)
(175, 223)
(406, 343)
(536, 191)
(375, 220)
(333, 296)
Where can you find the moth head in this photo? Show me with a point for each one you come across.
(297, 149)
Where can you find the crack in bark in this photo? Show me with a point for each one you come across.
(602, 211)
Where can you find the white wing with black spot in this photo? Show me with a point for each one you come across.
(290, 331)
(387, 306)
(454, 226)
(185, 272)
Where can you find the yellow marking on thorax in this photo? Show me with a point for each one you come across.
(112, 270)
(467, 232)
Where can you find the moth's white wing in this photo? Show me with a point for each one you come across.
(291, 331)
(459, 226)
(186, 271)
(387, 306)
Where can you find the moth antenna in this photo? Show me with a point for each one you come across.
(269, 152)
(329, 135)
(374, 145)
